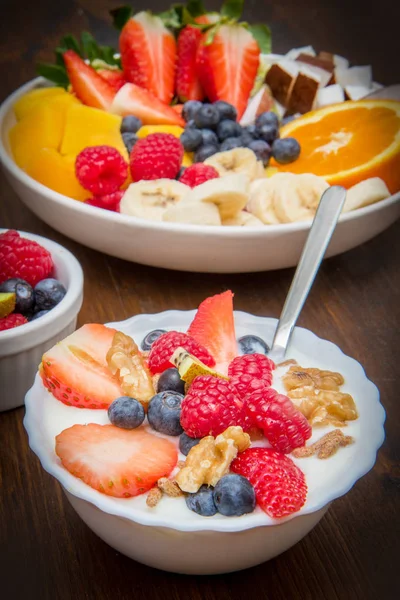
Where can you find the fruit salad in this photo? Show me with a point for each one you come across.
(195, 106)
(27, 290)
(197, 416)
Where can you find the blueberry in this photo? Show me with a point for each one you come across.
(151, 338)
(227, 129)
(191, 139)
(268, 133)
(190, 108)
(207, 116)
(209, 137)
(190, 124)
(267, 118)
(286, 150)
(202, 502)
(287, 120)
(252, 344)
(24, 294)
(205, 152)
(246, 138)
(186, 443)
(126, 412)
(164, 413)
(37, 315)
(234, 495)
(262, 150)
(130, 140)
(226, 110)
(170, 381)
(48, 293)
(252, 130)
(130, 124)
(231, 143)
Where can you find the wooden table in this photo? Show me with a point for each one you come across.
(46, 552)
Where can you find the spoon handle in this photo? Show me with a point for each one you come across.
(322, 228)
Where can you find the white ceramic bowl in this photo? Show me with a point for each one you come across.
(178, 246)
(21, 348)
(171, 537)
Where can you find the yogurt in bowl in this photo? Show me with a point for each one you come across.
(170, 536)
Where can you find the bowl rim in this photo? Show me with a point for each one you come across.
(72, 299)
(117, 218)
(102, 502)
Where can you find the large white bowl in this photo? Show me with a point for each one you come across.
(177, 246)
(22, 348)
(171, 537)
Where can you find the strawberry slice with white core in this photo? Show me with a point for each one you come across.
(88, 85)
(227, 67)
(214, 328)
(117, 462)
(148, 55)
(75, 370)
(134, 100)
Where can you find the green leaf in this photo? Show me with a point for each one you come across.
(69, 42)
(90, 46)
(195, 8)
(59, 56)
(171, 18)
(53, 73)
(232, 9)
(108, 55)
(211, 33)
(121, 16)
(262, 34)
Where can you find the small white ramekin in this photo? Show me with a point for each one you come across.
(21, 348)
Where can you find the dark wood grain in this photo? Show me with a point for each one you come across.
(46, 552)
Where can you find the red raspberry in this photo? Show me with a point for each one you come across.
(11, 321)
(198, 174)
(285, 427)
(164, 347)
(248, 371)
(157, 156)
(23, 258)
(101, 169)
(210, 406)
(109, 202)
(279, 484)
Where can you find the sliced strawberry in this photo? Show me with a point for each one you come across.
(134, 100)
(187, 84)
(117, 462)
(227, 67)
(115, 77)
(87, 84)
(75, 370)
(148, 55)
(214, 328)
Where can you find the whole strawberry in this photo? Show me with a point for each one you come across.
(24, 259)
(284, 426)
(187, 82)
(210, 406)
(157, 156)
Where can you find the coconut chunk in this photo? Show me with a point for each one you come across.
(281, 78)
(294, 53)
(340, 61)
(354, 76)
(331, 94)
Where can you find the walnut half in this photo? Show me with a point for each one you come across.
(210, 459)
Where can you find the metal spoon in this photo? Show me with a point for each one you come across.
(322, 228)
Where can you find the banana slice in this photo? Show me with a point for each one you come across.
(195, 213)
(238, 160)
(243, 219)
(365, 193)
(297, 198)
(229, 194)
(150, 199)
(261, 201)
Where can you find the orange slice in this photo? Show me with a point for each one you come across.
(349, 142)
